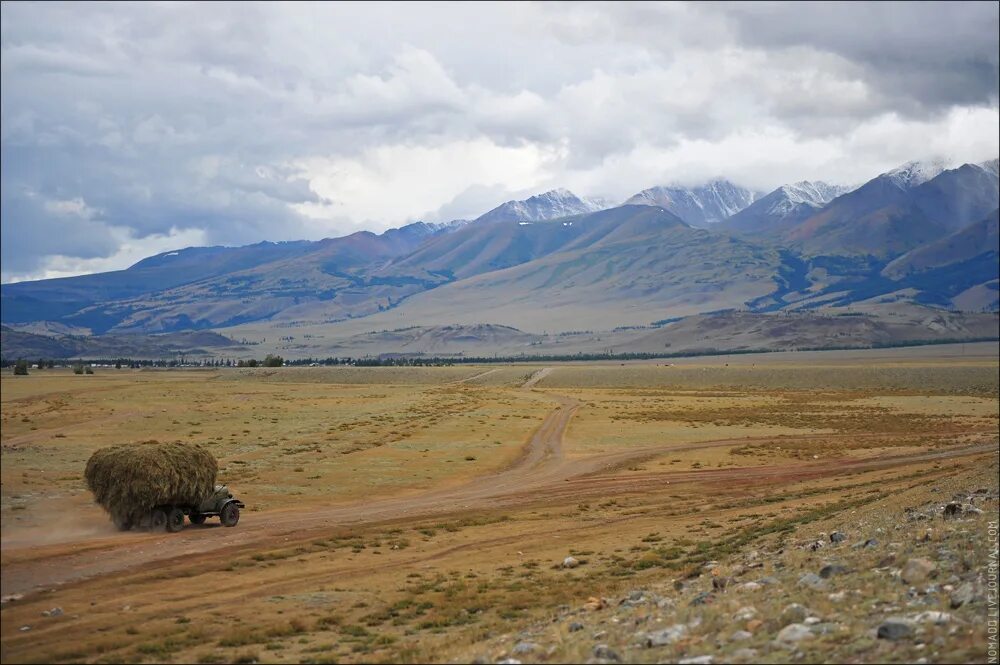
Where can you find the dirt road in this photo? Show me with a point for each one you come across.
(540, 475)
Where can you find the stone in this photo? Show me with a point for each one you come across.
(894, 630)
(916, 571)
(665, 603)
(837, 537)
(951, 510)
(606, 653)
(744, 654)
(54, 612)
(828, 571)
(741, 636)
(794, 613)
(812, 580)
(931, 616)
(575, 626)
(719, 583)
(661, 638)
(509, 661)
(963, 595)
(697, 660)
(749, 586)
(837, 596)
(570, 562)
(794, 632)
(522, 648)
(703, 598)
(745, 613)
(824, 628)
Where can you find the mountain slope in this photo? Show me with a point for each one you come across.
(625, 266)
(961, 271)
(698, 206)
(898, 211)
(971, 242)
(961, 196)
(550, 205)
(325, 276)
(52, 299)
(783, 208)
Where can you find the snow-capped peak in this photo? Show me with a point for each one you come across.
(916, 173)
(815, 193)
(547, 205)
(706, 204)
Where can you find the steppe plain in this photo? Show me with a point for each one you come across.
(424, 513)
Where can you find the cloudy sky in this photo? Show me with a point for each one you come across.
(129, 130)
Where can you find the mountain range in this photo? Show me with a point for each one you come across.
(920, 235)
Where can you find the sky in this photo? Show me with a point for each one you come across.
(133, 129)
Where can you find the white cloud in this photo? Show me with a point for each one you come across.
(389, 184)
(281, 121)
(130, 250)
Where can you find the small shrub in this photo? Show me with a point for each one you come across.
(78, 368)
(21, 367)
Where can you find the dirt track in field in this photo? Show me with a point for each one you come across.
(540, 475)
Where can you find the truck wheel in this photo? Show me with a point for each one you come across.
(230, 514)
(157, 520)
(175, 520)
(196, 518)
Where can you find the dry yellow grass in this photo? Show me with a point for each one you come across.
(651, 477)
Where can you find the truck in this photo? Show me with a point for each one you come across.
(170, 516)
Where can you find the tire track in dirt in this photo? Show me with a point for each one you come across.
(540, 474)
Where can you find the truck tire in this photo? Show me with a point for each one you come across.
(158, 520)
(175, 520)
(196, 518)
(230, 515)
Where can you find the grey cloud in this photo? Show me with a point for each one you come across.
(190, 115)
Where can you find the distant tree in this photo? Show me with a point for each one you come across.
(88, 370)
(118, 364)
(41, 363)
(21, 367)
(50, 364)
(78, 368)
(273, 361)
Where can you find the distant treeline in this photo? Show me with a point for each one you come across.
(397, 361)
(424, 361)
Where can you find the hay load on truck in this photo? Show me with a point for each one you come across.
(155, 485)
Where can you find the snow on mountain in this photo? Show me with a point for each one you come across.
(698, 206)
(783, 208)
(915, 173)
(549, 205)
(814, 194)
(992, 166)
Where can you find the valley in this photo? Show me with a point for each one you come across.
(401, 513)
(908, 249)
